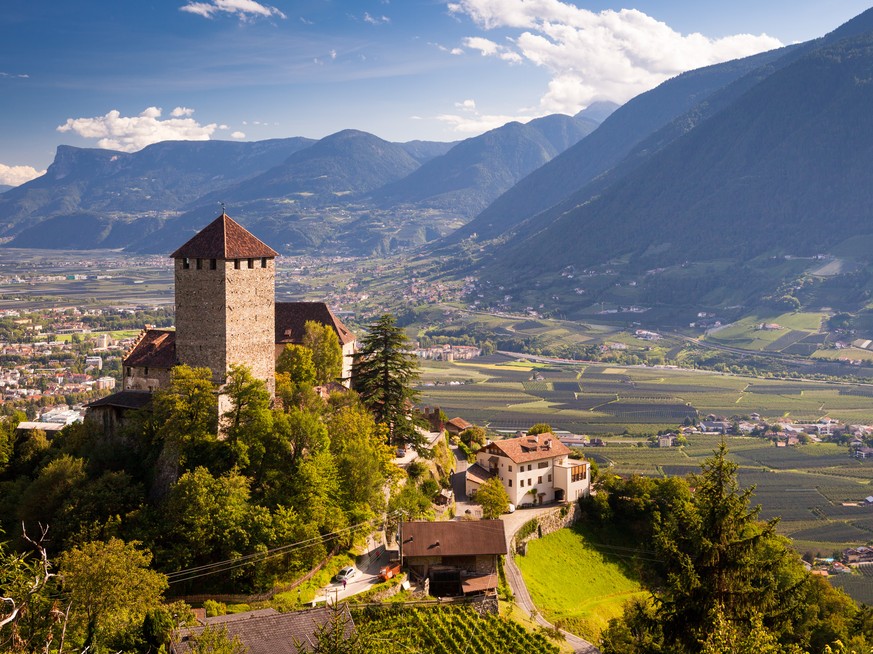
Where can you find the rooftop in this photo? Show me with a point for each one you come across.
(462, 538)
(529, 448)
(224, 238)
(154, 348)
(291, 319)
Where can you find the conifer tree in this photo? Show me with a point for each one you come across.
(383, 373)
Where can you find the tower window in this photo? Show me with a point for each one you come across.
(199, 264)
(251, 263)
(186, 263)
(213, 264)
(236, 264)
(263, 262)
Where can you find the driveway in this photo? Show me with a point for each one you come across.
(368, 567)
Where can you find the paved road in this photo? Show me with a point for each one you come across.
(368, 574)
(512, 523)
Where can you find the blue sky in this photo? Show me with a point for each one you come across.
(122, 73)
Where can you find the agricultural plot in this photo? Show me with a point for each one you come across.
(447, 630)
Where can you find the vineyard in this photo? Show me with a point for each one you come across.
(447, 630)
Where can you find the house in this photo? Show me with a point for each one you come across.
(456, 425)
(666, 440)
(267, 631)
(856, 555)
(111, 411)
(864, 453)
(456, 557)
(291, 319)
(533, 469)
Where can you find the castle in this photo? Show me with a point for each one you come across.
(226, 314)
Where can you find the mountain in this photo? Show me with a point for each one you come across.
(606, 146)
(474, 172)
(4, 188)
(780, 171)
(158, 179)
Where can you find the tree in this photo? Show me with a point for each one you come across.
(296, 362)
(724, 573)
(249, 420)
(215, 640)
(383, 373)
(327, 353)
(474, 437)
(540, 428)
(111, 588)
(493, 499)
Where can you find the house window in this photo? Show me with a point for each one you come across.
(130, 372)
(199, 264)
(543, 464)
(213, 264)
(236, 264)
(510, 483)
(550, 477)
(539, 480)
(528, 467)
(251, 263)
(186, 263)
(263, 262)
(146, 372)
(510, 468)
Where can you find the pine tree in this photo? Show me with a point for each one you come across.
(383, 373)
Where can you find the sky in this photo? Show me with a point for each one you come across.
(122, 74)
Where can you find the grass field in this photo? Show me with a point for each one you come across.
(793, 328)
(577, 581)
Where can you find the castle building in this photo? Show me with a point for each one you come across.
(226, 314)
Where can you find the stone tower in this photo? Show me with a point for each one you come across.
(225, 301)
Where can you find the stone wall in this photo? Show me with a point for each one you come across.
(227, 316)
(547, 523)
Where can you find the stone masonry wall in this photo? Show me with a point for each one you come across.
(548, 523)
(227, 316)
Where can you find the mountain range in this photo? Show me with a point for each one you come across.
(350, 191)
(707, 190)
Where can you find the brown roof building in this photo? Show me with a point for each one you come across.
(450, 553)
(533, 470)
(291, 319)
(146, 366)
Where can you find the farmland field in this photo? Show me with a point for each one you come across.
(807, 487)
(448, 630)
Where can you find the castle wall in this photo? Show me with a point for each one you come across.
(226, 315)
(251, 318)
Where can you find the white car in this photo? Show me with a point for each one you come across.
(346, 573)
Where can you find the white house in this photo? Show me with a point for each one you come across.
(533, 469)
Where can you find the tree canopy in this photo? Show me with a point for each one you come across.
(493, 499)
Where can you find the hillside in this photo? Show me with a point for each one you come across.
(779, 172)
(606, 146)
(477, 170)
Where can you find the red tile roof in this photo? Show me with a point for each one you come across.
(291, 319)
(478, 474)
(444, 538)
(155, 348)
(224, 238)
(529, 448)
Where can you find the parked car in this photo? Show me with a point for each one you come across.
(346, 573)
(401, 452)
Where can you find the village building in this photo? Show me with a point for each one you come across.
(533, 470)
(291, 319)
(455, 557)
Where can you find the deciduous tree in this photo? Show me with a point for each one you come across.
(327, 353)
(493, 499)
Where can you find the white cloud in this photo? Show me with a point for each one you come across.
(466, 105)
(18, 175)
(244, 9)
(178, 112)
(132, 133)
(610, 55)
(473, 122)
(14, 75)
(376, 20)
(332, 54)
(223, 126)
(238, 135)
